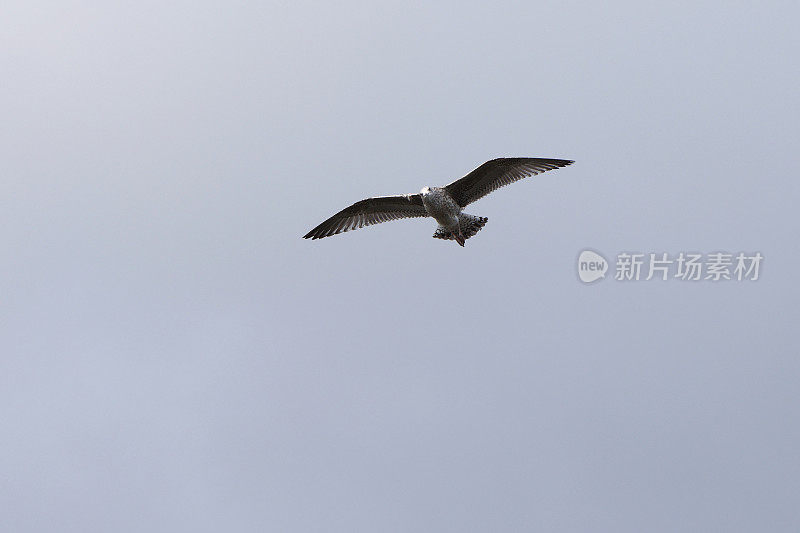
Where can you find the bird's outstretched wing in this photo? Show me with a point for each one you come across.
(496, 173)
(368, 212)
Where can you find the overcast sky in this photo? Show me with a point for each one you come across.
(176, 358)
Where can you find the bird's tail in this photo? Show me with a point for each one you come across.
(469, 225)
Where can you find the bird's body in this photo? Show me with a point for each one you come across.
(444, 210)
(443, 204)
(440, 206)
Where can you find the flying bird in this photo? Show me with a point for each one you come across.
(444, 204)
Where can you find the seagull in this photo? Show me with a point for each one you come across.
(444, 204)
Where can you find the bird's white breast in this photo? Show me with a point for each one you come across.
(441, 206)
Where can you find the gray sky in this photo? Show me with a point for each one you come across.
(176, 358)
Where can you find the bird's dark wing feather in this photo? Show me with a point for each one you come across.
(496, 173)
(368, 212)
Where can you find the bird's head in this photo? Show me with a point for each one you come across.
(425, 191)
